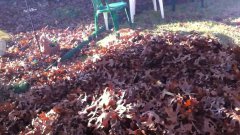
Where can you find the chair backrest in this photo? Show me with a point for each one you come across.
(97, 4)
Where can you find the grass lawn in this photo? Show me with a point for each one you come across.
(219, 19)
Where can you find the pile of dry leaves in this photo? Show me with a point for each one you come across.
(141, 84)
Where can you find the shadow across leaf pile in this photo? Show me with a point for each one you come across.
(139, 84)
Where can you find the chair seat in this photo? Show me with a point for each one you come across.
(113, 6)
(118, 5)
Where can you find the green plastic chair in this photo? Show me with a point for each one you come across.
(111, 8)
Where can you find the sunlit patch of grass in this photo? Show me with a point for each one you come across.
(4, 35)
(227, 35)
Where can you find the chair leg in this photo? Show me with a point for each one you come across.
(155, 5)
(161, 8)
(132, 6)
(128, 18)
(115, 20)
(105, 16)
(96, 24)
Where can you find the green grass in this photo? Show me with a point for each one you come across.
(218, 19)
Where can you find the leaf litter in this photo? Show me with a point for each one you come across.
(140, 84)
